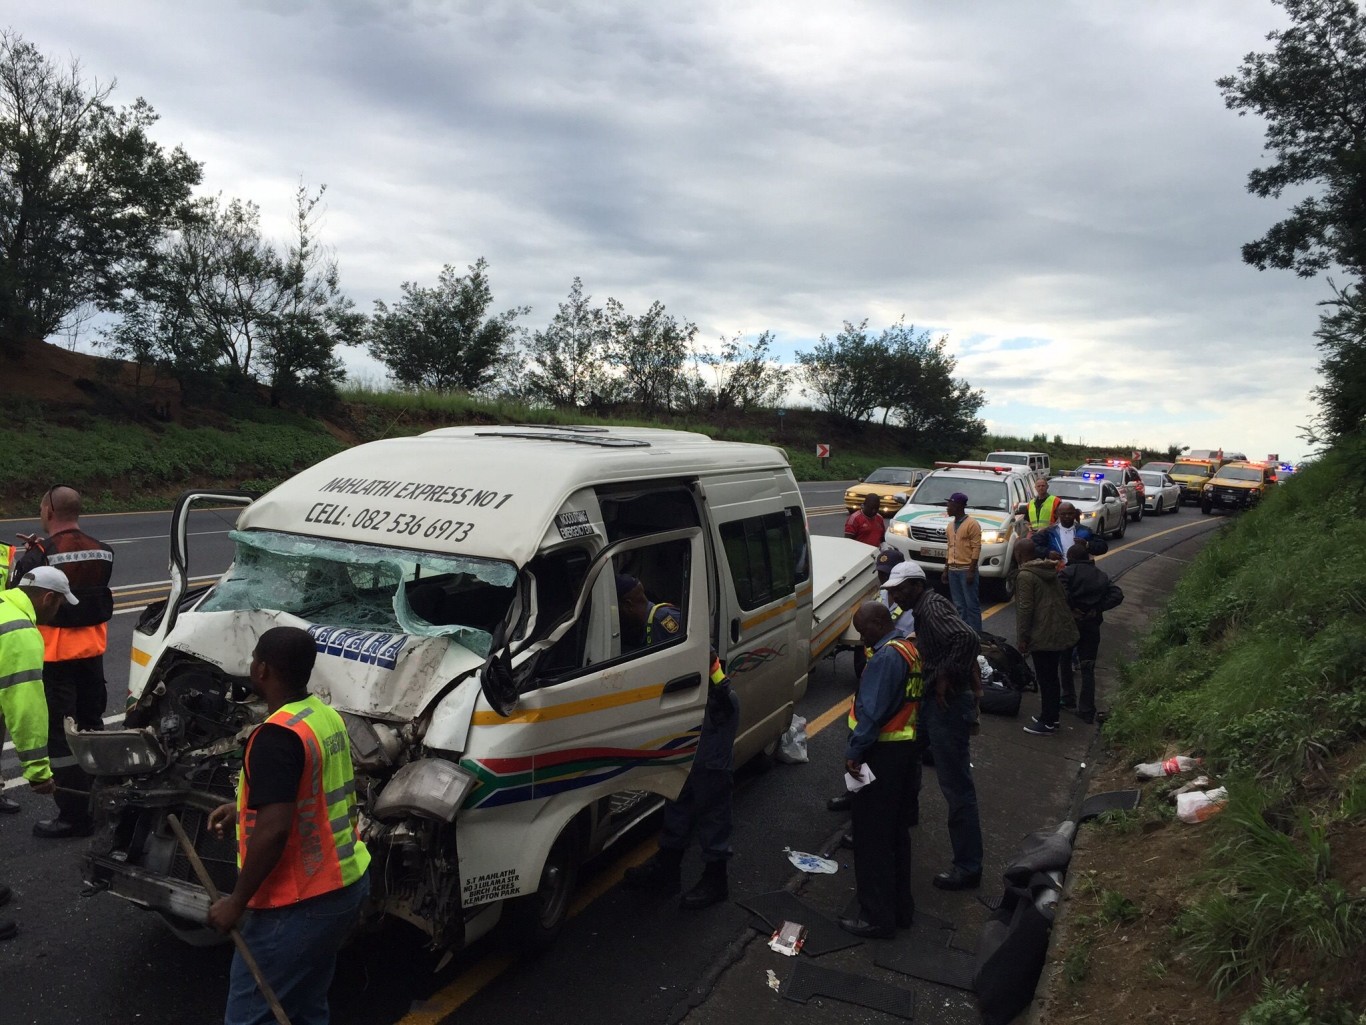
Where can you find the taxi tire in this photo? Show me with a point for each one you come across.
(534, 921)
(1205, 508)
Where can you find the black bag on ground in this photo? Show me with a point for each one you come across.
(1007, 662)
(1014, 942)
(1000, 698)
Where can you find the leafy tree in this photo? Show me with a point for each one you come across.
(566, 363)
(746, 377)
(217, 302)
(1311, 89)
(202, 305)
(312, 315)
(650, 352)
(844, 376)
(443, 338)
(1342, 340)
(85, 194)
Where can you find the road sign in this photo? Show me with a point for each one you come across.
(822, 451)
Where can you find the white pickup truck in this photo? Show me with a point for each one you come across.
(460, 587)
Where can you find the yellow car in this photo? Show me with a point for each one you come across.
(1238, 485)
(886, 482)
(1192, 475)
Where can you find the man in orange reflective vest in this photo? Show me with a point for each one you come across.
(73, 649)
(884, 736)
(300, 860)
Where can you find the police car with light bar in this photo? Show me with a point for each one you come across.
(1122, 474)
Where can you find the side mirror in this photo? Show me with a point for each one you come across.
(901, 498)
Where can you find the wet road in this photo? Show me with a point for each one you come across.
(98, 960)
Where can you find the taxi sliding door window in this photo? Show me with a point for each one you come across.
(761, 557)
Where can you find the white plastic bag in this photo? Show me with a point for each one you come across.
(792, 745)
(811, 862)
(1199, 805)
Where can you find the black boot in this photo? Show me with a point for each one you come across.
(662, 873)
(710, 889)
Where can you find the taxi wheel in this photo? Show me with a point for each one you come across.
(535, 920)
(1205, 508)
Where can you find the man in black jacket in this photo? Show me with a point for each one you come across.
(74, 645)
(1086, 586)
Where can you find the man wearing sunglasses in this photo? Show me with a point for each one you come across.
(73, 648)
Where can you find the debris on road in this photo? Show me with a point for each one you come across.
(811, 862)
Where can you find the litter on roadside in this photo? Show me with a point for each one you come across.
(773, 982)
(788, 938)
(811, 862)
(1199, 783)
(1199, 805)
(792, 744)
(1167, 767)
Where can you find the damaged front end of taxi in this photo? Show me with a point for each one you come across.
(399, 635)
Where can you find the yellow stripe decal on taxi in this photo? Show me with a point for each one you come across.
(141, 657)
(570, 708)
(777, 610)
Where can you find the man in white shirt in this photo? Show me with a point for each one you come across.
(1067, 531)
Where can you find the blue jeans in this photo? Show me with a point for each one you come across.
(964, 594)
(296, 948)
(946, 730)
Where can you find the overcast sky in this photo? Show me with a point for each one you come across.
(1055, 185)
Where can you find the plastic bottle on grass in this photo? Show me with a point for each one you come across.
(1199, 805)
(1168, 767)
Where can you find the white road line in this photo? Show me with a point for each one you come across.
(159, 537)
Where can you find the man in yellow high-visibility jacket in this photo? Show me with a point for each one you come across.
(1043, 511)
(37, 599)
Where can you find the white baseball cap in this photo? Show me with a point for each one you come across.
(49, 578)
(903, 571)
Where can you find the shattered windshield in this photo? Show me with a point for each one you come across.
(367, 587)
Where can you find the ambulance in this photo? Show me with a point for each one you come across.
(461, 589)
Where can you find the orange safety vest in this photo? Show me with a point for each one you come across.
(902, 725)
(324, 851)
(64, 643)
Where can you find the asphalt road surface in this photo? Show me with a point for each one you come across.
(94, 959)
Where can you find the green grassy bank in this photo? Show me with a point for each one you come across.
(121, 463)
(1256, 663)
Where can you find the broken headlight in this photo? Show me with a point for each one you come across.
(431, 788)
(115, 752)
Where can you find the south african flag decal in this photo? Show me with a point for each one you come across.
(509, 780)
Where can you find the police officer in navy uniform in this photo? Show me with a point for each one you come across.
(703, 805)
(644, 623)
